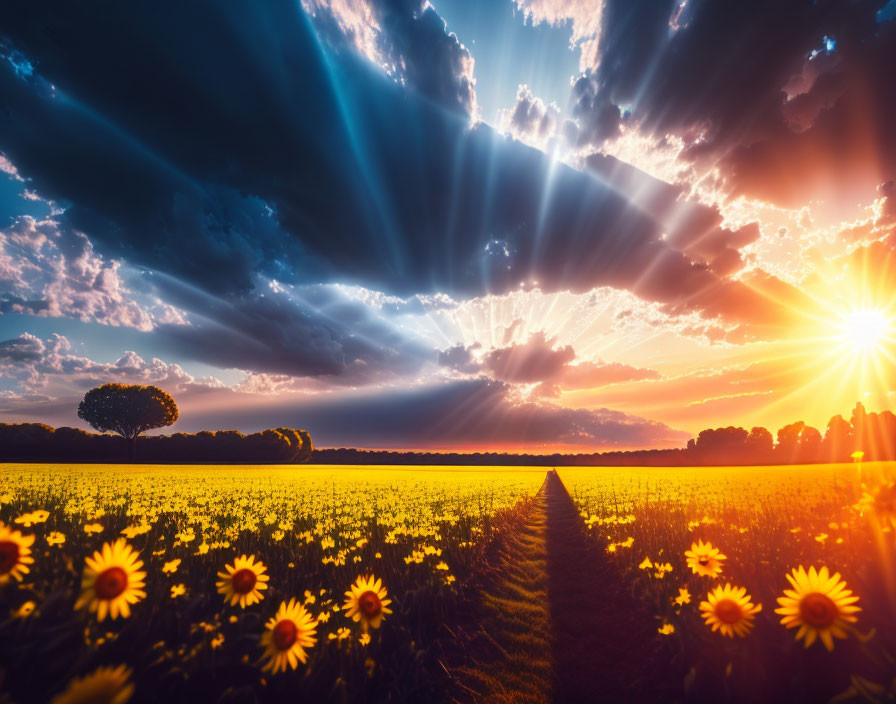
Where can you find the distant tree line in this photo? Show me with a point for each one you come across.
(33, 442)
(348, 455)
(872, 434)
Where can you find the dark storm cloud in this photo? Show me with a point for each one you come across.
(792, 98)
(215, 142)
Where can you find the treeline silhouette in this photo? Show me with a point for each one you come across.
(873, 434)
(32, 442)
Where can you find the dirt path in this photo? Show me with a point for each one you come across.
(601, 635)
(513, 661)
(558, 623)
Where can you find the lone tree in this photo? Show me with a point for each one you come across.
(127, 410)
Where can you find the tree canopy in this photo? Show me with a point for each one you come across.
(128, 410)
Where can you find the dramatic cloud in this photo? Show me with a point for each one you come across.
(540, 360)
(49, 271)
(350, 178)
(789, 100)
(536, 360)
(294, 335)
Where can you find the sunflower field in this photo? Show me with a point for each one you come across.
(423, 584)
(237, 584)
(765, 583)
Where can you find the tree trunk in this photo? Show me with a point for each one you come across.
(132, 449)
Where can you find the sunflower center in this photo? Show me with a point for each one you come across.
(728, 611)
(703, 560)
(818, 610)
(369, 604)
(244, 581)
(284, 634)
(9, 556)
(111, 583)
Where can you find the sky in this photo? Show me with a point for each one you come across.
(514, 225)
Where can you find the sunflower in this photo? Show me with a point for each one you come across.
(15, 554)
(728, 610)
(112, 581)
(366, 602)
(704, 559)
(288, 634)
(243, 581)
(820, 604)
(105, 685)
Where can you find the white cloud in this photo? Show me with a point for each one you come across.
(583, 16)
(49, 271)
(357, 20)
(49, 367)
(534, 122)
(7, 167)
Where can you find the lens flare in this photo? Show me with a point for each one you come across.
(865, 329)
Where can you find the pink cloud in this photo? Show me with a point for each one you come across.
(539, 360)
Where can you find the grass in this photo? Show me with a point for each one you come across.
(512, 661)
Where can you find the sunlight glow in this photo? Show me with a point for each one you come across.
(865, 329)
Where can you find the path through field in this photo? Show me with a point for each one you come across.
(559, 624)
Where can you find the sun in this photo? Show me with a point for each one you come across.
(865, 329)
(843, 351)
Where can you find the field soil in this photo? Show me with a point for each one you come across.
(556, 624)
